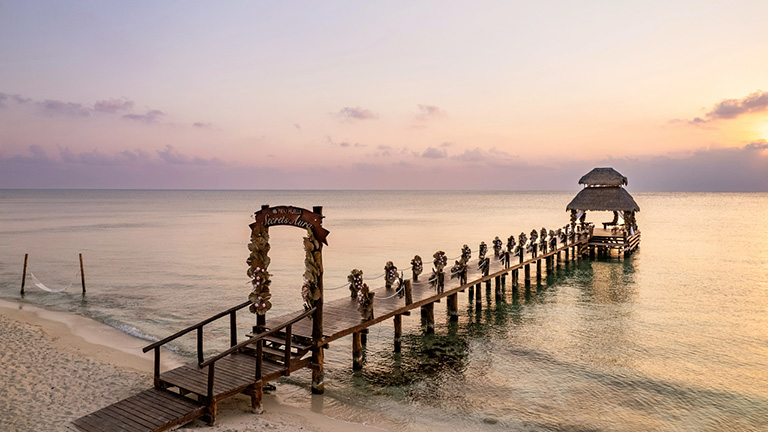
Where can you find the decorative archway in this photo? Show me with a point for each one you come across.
(312, 290)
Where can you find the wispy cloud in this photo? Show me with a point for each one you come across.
(434, 153)
(357, 113)
(151, 116)
(428, 112)
(56, 107)
(203, 125)
(732, 108)
(112, 106)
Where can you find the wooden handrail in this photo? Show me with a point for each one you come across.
(196, 326)
(256, 338)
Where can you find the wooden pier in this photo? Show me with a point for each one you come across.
(284, 344)
(279, 346)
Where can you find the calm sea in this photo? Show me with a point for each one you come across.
(673, 338)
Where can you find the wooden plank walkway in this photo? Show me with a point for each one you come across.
(341, 317)
(192, 391)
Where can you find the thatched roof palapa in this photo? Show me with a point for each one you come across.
(603, 199)
(603, 177)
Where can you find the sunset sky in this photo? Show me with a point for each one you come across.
(383, 95)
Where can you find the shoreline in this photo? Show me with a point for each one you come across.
(60, 366)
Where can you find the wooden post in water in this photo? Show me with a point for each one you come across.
(527, 275)
(498, 288)
(318, 373)
(538, 270)
(357, 351)
(82, 273)
(24, 275)
(429, 316)
(398, 331)
(453, 306)
(478, 296)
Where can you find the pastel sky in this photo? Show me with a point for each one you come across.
(383, 95)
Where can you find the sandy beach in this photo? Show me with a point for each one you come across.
(58, 367)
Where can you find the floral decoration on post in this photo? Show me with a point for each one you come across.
(511, 244)
(258, 261)
(417, 266)
(438, 276)
(365, 302)
(313, 268)
(390, 274)
(459, 270)
(543, 240)
(573, 219)
(355, 280)
(260, 295)
(522, 241)
(496, 247)
(482, 250)
(552, 240)
(466, 253)
(534, 242)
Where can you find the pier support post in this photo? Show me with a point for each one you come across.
(256, 391)
(429, 316)
(398, 332)
(478, 296)
(498, 288)
(527, 275)
(453, 306)
(318, 370)
(357, 351)
(538, 270)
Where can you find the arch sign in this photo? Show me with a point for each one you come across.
(258, 261)
(293, 216)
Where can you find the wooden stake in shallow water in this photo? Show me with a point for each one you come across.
(24, 276)
(82, 273)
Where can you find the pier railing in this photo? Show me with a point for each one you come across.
(199, 327)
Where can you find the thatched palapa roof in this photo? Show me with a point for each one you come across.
(603, 177)
(603, 199)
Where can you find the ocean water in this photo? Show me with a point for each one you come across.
(673, 338)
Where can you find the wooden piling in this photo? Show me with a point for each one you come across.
(527, 275)
(24, 275)
(498, 288)
(478, 296)
(538, 270)
(82, 273)
(318, 372)
(453, 306)
(408, 292)
(429, 316)
(357, 351)
(398, 332)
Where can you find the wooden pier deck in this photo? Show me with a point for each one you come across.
(283, 345)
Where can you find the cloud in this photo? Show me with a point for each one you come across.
(202, 125)
(297, 126)
(172, 156)
(357, 113)
(732, 108)
(150, 117)
(434, 153)
(15, 98)
(427, 112)
(112, 106)
(56, 107)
